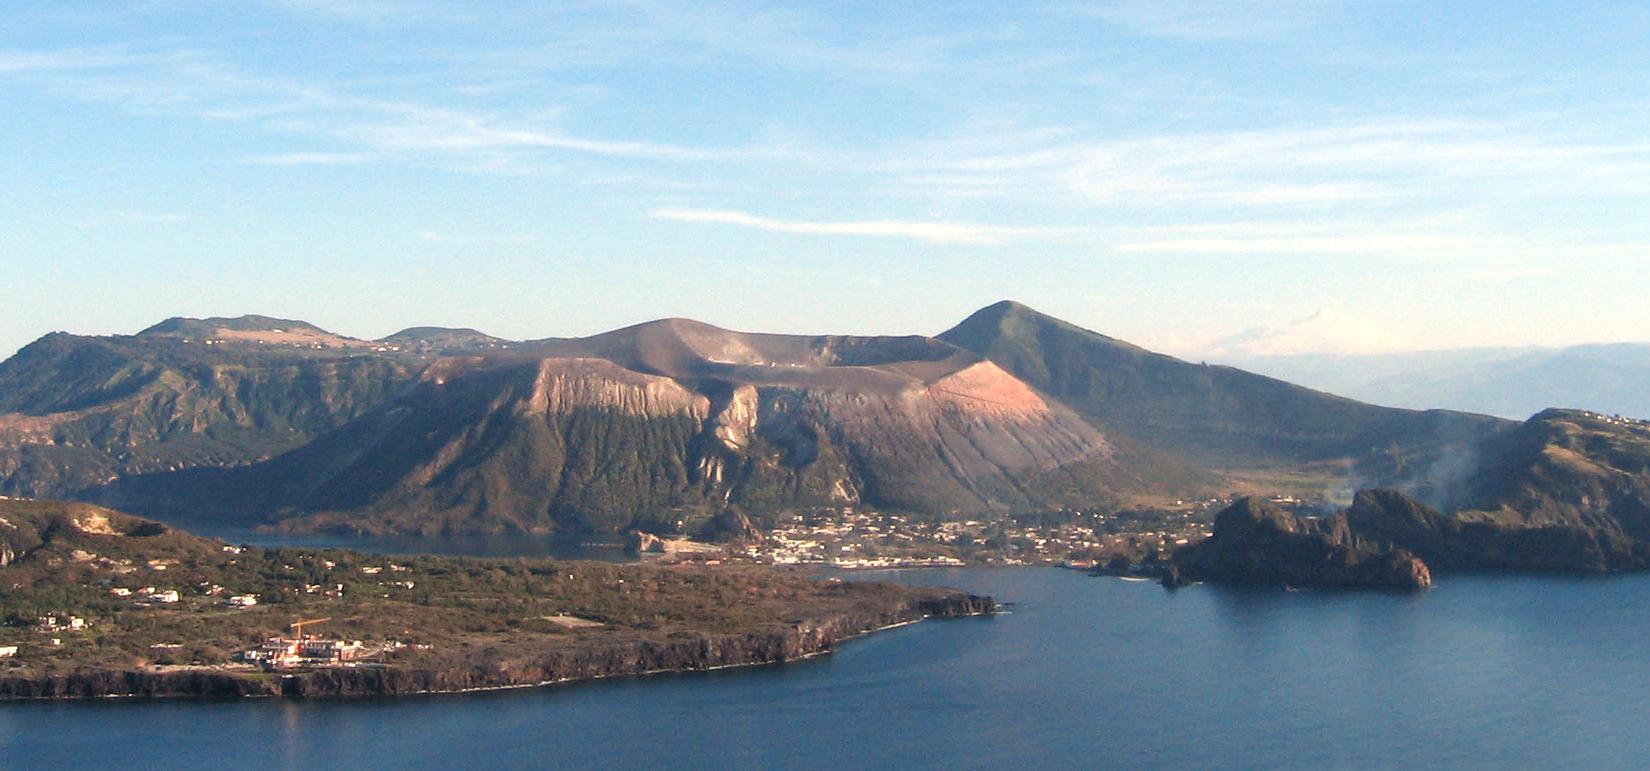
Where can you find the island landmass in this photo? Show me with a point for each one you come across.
(103, 604)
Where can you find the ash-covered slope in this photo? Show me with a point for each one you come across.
(677, 421)
(1218, 416)
(452, 430)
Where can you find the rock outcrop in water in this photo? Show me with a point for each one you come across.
(1255, 542)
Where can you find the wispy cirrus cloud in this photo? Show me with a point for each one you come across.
(62, 60)
(1220, 20)
(310, 159)
(1324, 239)
(1383, 162)
(1483, 251)
(208, 87)
(404, 127)
(927, 231)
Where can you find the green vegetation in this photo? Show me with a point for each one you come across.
(69, 559)
(275, 422)
(89, 409)
(1567, 468)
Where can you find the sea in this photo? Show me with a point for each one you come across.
(1079, 672)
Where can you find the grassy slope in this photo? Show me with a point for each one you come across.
(1568, 467)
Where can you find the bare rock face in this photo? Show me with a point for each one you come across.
(735, 424)
(1389, 519)
(565, 385)
(669, 426)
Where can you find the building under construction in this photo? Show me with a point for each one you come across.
(302, 649)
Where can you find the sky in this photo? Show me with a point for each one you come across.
(1167, 172)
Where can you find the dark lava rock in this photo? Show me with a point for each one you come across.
(1388, 519)
(1255, 542)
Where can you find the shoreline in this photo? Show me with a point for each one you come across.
(622, 658)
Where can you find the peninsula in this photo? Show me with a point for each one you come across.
(102, 604)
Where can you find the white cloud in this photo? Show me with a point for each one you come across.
(404, 127)
(13, 62)
(1476, 251)
(310, 159)
(1371, 163)
(206, 86)
(1214, 20)
(931, 232)
(1335, 239)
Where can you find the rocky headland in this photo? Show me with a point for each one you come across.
(1255, 542)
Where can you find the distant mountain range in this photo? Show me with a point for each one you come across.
(1612, 378)
(676, 424)
(1343, 354)
(1325, 330)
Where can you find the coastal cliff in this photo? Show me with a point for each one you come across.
(1388, 519)
(1255, 542)
(635, 657)
(103, 604)
(490, 669)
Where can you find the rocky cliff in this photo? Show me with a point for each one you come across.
(587, 660)
(430, 623)
(1389, 519)
(1254, 542)
(668, 425)
(676, 423)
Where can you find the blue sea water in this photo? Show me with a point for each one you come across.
(1493, 672)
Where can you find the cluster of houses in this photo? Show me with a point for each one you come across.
(60, 624)
(150, 595)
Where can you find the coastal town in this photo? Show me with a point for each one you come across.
(851, 539)
(301, 610)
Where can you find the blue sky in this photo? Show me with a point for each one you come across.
(1166, 172)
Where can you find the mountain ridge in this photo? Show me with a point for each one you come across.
(436, 429)
(653, 423)
(1211, 414)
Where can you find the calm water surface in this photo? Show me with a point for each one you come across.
(1085, 672)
